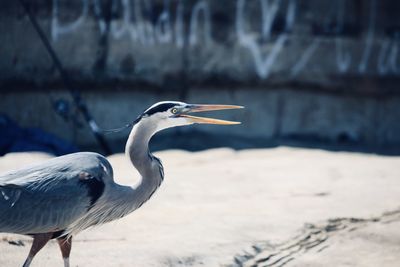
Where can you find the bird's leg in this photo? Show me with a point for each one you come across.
(39, 241)
(65, 244)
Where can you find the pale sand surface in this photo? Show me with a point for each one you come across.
(217, 204)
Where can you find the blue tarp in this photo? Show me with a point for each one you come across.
(14, 138)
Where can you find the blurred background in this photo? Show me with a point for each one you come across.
(311, 73)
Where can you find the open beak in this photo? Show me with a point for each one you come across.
(203, 108)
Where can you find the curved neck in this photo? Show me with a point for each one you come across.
(149, 167)
(122, 200)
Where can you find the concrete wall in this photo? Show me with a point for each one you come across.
(269, 115)
(328, 43)
(328, 69)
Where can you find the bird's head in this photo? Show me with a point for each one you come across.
(169, 114)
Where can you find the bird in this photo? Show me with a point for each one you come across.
(62, 196)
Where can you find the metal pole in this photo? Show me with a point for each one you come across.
(67, 82)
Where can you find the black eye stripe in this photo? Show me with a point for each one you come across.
(160, 108)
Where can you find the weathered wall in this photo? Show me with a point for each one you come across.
(335, 44)
(328, 69)
(287, 113)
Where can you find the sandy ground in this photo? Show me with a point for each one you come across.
(253, 207)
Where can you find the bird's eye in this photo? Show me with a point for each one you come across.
(174, 110)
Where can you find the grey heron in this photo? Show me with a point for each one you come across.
(62, 196)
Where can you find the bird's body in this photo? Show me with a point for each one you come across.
(67, 194)
(23, 190)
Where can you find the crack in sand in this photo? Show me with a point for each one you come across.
(312, 236)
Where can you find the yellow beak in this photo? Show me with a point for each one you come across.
(203, 108)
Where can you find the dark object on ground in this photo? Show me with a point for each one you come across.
(16, 139)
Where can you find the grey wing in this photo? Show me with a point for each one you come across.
(51, 196)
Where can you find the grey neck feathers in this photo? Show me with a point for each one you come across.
(149, 167)
(122, 200)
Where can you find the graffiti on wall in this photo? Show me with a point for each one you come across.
(137, 27)
(170, 27)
